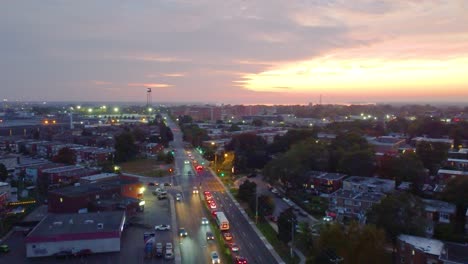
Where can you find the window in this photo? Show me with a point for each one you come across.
(444, 218)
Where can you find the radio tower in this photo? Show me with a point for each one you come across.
(148, 98)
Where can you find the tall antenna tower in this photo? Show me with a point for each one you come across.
(320, 100)
(148, 98)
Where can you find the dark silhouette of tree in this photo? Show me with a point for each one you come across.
(65, 156)
(247, 191)
(250, 151)
(286, 221)
(456, 192)
(3, 172)
(125, 148)
(400, 213)
(432, 154)
(283, 143)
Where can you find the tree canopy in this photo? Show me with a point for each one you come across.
(125, 147)
(65, 156)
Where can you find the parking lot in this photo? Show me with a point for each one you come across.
(132, 243)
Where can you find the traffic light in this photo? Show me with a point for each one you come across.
(222, 174)
(171, 170)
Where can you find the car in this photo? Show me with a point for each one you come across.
(208, 195)
(227, 236)
(150, 183)
(195, 190)
(234, 247)
(83, 252)
(186, 162)
(178, 197)
(209, 235)
(252, 175)
(167, 184)
(327, 219)
(273, 190)
(240, 260)
(4, 248)
(159, 249)
(169, 245)
(182, 232)
(162, 227)
(169, 254)
(63, 254)
(215, 258)
(212, 204)
(204, 221)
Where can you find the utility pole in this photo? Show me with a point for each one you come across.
(256, 205)
(292, 237)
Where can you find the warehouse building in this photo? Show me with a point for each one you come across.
(67, 234)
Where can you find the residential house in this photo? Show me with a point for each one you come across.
(454, 253)
(418, 250)
(438, 212)
(325, 182)
(352, 204)
(368, 184)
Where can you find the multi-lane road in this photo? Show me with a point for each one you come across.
(190, 211)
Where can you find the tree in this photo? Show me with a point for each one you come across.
(65, 156)
(125, 147)
(266, 205)
(169, 158)
(257, 122)
(353, 244)
(247, 191)
(283, 143)
(400, 213)
(405, 167)
(286, 219)
(343, 149)
(359, 162)
(234, 127)
(456, 192)
(3, 172)
(432, 154)
(250, 151)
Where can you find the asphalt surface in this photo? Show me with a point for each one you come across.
(251, 246)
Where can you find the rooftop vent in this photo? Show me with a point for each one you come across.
(89, 221)
(58, 223)
(100, 225)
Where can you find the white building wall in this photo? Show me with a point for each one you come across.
(44, 249)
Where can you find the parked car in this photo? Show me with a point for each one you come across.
(167, 184)
(162, 227)
(234, 247)
(159, 250)
(178, 197)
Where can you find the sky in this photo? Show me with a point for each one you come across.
(235, 51)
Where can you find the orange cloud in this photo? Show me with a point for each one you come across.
(150, 85)
(101, 82)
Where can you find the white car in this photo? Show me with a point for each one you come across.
(195, 190)
(327, 219)
(187, 162)
(178, 197)
(162, 227)
(204, 221)
(215, 258)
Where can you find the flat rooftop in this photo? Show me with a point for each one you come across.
(65, 224)
(81, 189)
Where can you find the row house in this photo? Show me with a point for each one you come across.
(67, 174)
(368, 184)
(93, 155)
(352, 204)
(438, 212)
(445, 175)
(324, 182)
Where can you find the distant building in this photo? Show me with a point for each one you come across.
(325, 182)
(446, 175)
(368, 184)
(386, 144)
(447, 141)
(67, 174)
(418, 250)
(75, 233)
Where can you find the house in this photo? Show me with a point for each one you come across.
(418, 250)
(446, 175)
(368, 184)
(67, 174)
(325, 182)
(438, 212)
(386, 144)
(353, 204)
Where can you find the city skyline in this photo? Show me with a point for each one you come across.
(262, 52)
